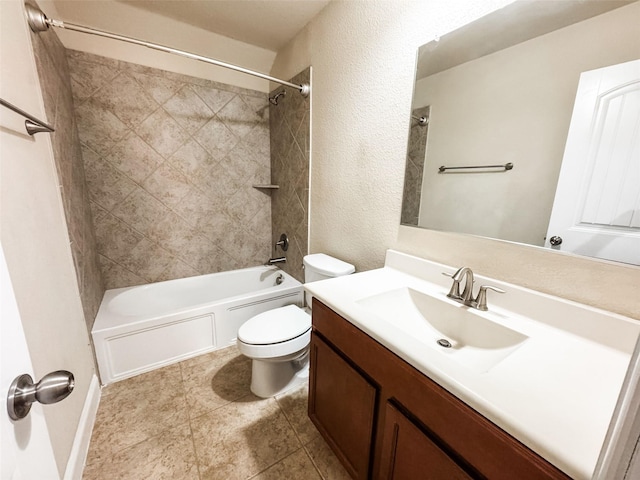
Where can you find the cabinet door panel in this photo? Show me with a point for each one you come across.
(408, 453)
(342, 406)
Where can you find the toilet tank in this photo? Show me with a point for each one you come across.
(319, 266)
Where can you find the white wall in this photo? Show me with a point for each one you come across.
(35, 239)
(363, 55)
(144, 25)
(512, 106)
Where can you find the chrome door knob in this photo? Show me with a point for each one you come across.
(23, 392)
(555, 240)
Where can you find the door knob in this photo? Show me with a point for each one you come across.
(555, 240)
(23, 392)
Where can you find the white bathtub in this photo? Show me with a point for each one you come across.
(142, 328)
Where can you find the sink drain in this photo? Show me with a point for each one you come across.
(443, 342)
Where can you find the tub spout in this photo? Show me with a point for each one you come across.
(273, 261)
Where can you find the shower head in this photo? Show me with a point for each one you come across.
(274, 100)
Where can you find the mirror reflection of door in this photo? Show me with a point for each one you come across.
(596, 211)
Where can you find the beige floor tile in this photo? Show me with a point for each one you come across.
(242, 439)
(216, 379)
(297, 466)
(136, 409)
(325, 460)
(294, 405)
(169, 455)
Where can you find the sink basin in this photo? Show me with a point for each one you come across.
(453, 330)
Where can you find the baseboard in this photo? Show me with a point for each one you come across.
(80, 447)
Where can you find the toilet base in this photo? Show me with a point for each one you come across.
(270, 378)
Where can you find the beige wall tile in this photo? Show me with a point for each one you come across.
(290, 170)
(216, 138)
(162, 132)
(188, 109)
(55, 79)
(163, 152)
(167, 184)
(133, 157)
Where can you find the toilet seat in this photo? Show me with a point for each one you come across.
(275, 326)
(275, 333)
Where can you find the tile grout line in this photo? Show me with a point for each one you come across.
(186, 403)
(303, 445)
(315, 465)
(279, 461)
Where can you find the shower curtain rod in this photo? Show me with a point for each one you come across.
(38, 22)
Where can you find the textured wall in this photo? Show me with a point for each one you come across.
(416, 151)
(53, 71)
(363, 56)
(289, 128)
(170, 161)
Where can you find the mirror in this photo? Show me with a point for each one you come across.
(500, 92)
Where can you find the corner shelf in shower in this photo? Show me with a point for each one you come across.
(267, 187)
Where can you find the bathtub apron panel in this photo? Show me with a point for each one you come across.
(139, 329)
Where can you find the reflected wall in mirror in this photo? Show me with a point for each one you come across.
(502, 90)
(415, 165)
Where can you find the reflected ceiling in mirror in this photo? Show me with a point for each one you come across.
(500, 91)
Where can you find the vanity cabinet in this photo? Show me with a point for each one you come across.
(342, 407)
(385, 419)
(408, 452)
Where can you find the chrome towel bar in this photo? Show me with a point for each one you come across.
(32, 124)
(506, 166)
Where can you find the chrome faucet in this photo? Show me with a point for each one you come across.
(467, 293)
(273, 261)
(466, 298)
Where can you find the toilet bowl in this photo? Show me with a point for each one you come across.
(277, 341)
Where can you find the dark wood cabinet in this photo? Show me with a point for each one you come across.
(342, 406)
(386, 420)
(408, 452)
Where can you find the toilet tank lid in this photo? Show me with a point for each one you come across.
(328, 265)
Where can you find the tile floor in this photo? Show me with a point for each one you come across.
(198, 420)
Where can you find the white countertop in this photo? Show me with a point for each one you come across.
(555, 393)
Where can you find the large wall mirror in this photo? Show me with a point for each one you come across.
(495, 101)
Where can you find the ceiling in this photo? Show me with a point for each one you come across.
(268, 24)
(515, 23)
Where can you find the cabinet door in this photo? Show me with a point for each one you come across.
(409, 454)
(342, 406)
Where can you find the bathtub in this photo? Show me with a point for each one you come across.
(142, 328)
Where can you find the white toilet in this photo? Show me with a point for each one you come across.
(278, 340)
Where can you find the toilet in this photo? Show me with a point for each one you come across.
(277, 341)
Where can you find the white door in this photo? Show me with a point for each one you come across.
(596, 211)
(26, 451)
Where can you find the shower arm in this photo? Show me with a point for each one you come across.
(422, 121)
(38, 22)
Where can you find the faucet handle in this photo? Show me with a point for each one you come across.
(481, 300)
(454, 292)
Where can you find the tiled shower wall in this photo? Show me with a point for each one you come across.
(416, 152)
(53, 71)
(170, 161)
(290, 133)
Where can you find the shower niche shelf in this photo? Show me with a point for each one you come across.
(266, 187)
